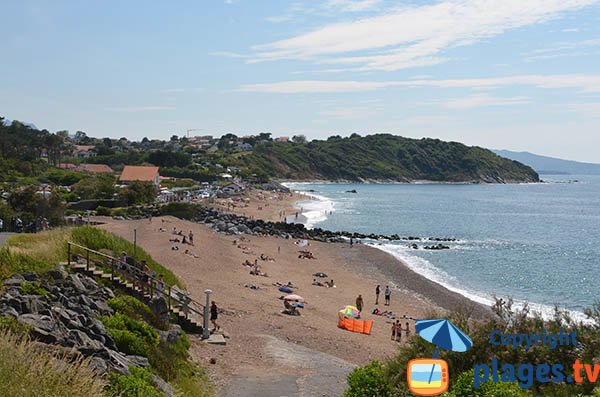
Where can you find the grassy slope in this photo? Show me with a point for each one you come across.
(42, 251)
(27, 370)
(385, 156)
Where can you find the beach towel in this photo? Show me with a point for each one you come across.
(359, 326)
(285, 289)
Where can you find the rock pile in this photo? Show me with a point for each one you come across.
(236, 224)
(64, 310)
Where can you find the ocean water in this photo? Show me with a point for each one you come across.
(538, 243)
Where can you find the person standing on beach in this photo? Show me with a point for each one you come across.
(394, 330)
(407, 330)
(214, 314)
(388, 295)
(398, 331)
(359, 303)
(191, 238)
(377, 291)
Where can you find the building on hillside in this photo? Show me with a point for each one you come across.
(132, 173)
(94, 168)
(66, 166)
(231, 189)
(84, 151)
(243, 146)
(282, 139)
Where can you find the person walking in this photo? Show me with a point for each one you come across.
(359, 303)
(214, 315)
(191, 238)
(388, 295)
(398, 331)
(377, 292)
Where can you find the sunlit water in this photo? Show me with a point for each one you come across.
(538, 243)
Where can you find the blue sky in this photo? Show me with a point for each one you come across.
(514, 74)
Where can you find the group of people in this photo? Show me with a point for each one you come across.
(397, 331)
(328, 284)
(145, 278)
(387, 294)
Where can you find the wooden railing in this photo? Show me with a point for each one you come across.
(175, 297)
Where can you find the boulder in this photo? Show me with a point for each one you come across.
(15, 280)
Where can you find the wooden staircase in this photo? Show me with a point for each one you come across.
(183, 309)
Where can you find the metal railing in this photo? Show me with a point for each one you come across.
(175, 297)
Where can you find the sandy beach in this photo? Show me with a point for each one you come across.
(263, 342)
(261, 204)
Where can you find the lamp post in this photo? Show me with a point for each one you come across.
(206, 331)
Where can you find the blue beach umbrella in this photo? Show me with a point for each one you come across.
(443, 334)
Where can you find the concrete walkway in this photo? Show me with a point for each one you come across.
(318, 374)
(4, 237)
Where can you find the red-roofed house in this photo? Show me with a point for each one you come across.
(94, 168)
(84, 151)
(132, 173)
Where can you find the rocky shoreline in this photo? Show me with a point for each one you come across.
(237, 224)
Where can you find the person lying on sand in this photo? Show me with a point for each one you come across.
(174, 240)
(252, 286)
(160, 229)
(317, 283)
(290, 309)
(247, 263)
(288, 285)
(264, 257)
(329, 284)
(190, 253)
(306, 255)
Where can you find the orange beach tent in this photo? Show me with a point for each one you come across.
(360, 326)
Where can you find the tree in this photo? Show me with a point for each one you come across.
(225, 141)
(139, 193)
(299, 139)
(164, 158)
(97, 186)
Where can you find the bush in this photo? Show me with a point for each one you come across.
(103, 211)
(28, 370)
(181, 210)
(131, 336)
(10, 324)
(464, 388)
(33, 288)
(368, 381)
(138, 383)
(137, 310)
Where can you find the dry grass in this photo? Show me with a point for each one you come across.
(27, 370)
(49, 246)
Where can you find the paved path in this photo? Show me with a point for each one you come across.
(318, 374)
(4, 237)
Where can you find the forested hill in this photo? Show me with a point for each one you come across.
(386, 157)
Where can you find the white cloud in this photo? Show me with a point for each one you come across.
(352, 5)
(564, 49)
(137, 109)
(581, 82)
(413, 35)
(483, 99)
(349, 113)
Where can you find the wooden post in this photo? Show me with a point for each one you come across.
(69, 255)
(87, 260)
(169, 298)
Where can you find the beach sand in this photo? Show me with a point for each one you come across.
(260, 204)
(263, 341)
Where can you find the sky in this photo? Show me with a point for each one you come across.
(504, 74)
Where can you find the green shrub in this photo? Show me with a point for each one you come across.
(138, 383)
(10, 324)
(137, 310)
(33, 288)
(132, 337)
(181, 210)
(463, 387)
(368, 381)
(103, 211)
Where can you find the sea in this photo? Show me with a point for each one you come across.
(536, 243)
